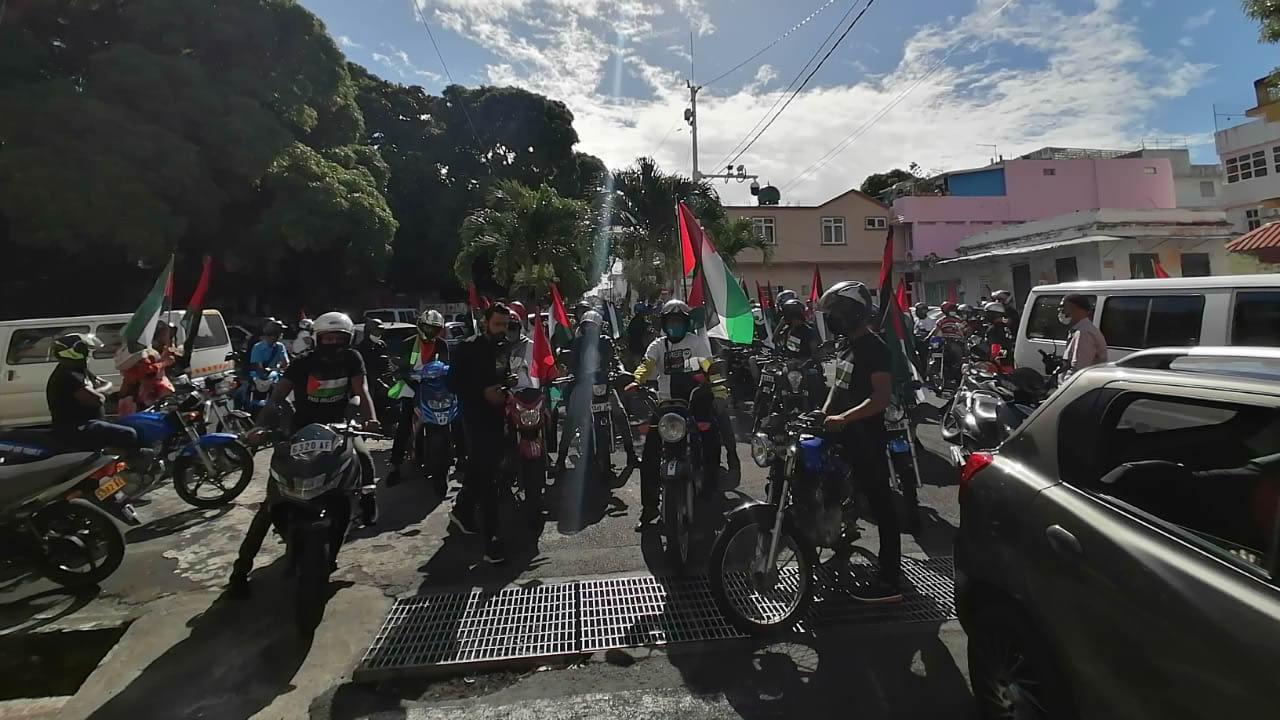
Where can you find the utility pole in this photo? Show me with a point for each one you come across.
(691, 117)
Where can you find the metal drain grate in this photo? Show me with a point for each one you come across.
(443, 633)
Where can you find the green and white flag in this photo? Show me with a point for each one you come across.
(728, 313)
(142, 326)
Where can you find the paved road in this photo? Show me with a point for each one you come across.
(195, 653)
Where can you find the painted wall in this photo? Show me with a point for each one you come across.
(1087, 184)
(986, 183)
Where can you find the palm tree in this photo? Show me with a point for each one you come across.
(644, 209)
(731, 237)
(532, 237)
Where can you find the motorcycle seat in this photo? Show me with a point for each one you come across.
(24, 445)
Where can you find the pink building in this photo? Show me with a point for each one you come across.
(1043, 184)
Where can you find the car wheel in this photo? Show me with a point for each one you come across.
(1012, 670)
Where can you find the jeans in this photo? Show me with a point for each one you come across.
(261, 522)
(703, 410)
(478, 500)
(864, 445)
(99, 434)
(404, 431)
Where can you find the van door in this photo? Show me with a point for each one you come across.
(1135, 322)
(28, 362)
(1255, 318)
(1040, 330)
(212, 346)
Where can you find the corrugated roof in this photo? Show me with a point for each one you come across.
(1259, 238)
(1019, 249)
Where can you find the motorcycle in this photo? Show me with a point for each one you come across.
(680, 472)
(602, 440)
(193, 459)
(990, 405)
(261, 385)
(738, 372)
(763, 560)
(220, 413)
(434, 413)
(526, 456)
(62, 511)
(901, 449)
(784, 387)
(318, 476)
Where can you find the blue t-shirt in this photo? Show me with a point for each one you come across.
(268, 356)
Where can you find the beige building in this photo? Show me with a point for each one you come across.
(843, 236)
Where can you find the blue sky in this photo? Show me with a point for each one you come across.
(925, 81)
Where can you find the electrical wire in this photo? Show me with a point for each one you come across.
(663, 142)
(777, 101)
(776, 40)
(864, 127)
(461, 105)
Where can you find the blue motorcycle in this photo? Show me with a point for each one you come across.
(208, 470)
(435, 410)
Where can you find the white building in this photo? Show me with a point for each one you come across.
(1088, 245)
(1250, 156)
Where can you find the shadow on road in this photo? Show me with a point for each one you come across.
(50, 605)
(239, 657)
(175, 523)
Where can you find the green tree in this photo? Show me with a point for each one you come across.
(644, 213)
(530, 237)
(733, 236)
(877, 183)
(1267, 14)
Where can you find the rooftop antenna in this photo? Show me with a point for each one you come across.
(994, 151)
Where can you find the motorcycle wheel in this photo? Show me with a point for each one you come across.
(190, 475)
(675, 523)
(754, 600)
(313, 578)
(79, 545)
(601, 465)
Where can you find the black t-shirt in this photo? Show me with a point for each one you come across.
(68, 413)
(478, 363)
(861, 358)
(800, 342)
(322, 386)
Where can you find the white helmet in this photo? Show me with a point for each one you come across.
(430, 319)
(334, 322)
(591, 316)
(993, 307)
(306, 324)
(1002, 296)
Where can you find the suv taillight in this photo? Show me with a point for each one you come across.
(976, 462)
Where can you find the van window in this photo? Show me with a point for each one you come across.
(1135, 321)
(383, 315)
(1256, 320)
(109, 334)
(1043, 323)
(35, 345)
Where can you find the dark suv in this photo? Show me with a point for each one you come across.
(1117, 557)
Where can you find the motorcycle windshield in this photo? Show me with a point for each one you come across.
(314, 461)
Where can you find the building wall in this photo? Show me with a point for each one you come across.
(799, 276)
(1189, 194)
(985, 183)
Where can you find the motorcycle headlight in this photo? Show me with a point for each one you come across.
(796, 378)
(263, 384)
(894, 413)
(672, 427)
(530, 416)
(599, 389)
(762, 449)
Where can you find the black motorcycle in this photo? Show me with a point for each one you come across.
(318, 476)
(763, 561)
(741, 379)
(62, 512)
(988, 406)
(680, 472)
(786, 387)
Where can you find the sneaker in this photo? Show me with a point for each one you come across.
(238, 587)
(393, 477)
(494, 553)
(876, 591)
(456, 521)
(647, 516)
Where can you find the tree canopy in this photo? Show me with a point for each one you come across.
(877, 183)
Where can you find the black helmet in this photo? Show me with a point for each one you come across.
(74, 348)
(271, 326)
(847, 306)
(792, 308)
(372, 326)
(580, 307)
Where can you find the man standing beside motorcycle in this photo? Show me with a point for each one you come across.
(427, 346)
(592, 350)
(675, 359)
(477, 376)
(323, 382)
(855, 412)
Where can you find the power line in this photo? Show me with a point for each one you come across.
(862, 129)
(461, 105)
(776, 40)
(663, 142)
(816, 68)
(791, 84)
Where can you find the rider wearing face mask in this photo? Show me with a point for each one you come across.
(676, 360)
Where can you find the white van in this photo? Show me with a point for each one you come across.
(392, 315)
(1138, 314)
(28, 362)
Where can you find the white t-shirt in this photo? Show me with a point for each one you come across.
(676, 358)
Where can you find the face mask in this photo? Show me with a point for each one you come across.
(328, 350)
(1063, 318)
(675, 333)
(428, 334)
(513, 333)
(836, 325)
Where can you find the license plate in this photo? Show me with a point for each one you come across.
(108, 487)
(310, 446)
(766, 380)
(599, 407)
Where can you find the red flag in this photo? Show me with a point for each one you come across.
(478, 301)
(195, 312)
(951, 292)
(560, 332)
(816, 292)
(760, 294)
(886, 277)
(544, 361)
(1160, 273)
(695, 299)
(902, 295)
(768, 295)
(690, 237)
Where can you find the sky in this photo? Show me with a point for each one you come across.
(934, 82)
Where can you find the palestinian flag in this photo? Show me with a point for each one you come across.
(325, 391)
(195, 313)
(561, 333)
(541, 361)
(892, 324)
(728, 314)
(142, 326)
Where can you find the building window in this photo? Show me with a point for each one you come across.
(1247, 166)
(876, 223)
(1208, 190)
(1253, 219)
(1066, 270)
(1143, 265)
(1049, 171)
(955, 222)
(833, 231)
(1195, 265)
(764, 227)
(1275, 151)
(1149, 170)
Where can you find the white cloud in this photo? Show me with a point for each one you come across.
(765, 75)
(1186, 41)
(1091, 82)
(399, 63)
(347, 43)
(1198, 21)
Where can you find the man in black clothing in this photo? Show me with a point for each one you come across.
(855, 409)
(478, 374)
(76, 398)
(323, 382)
(373, 350)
